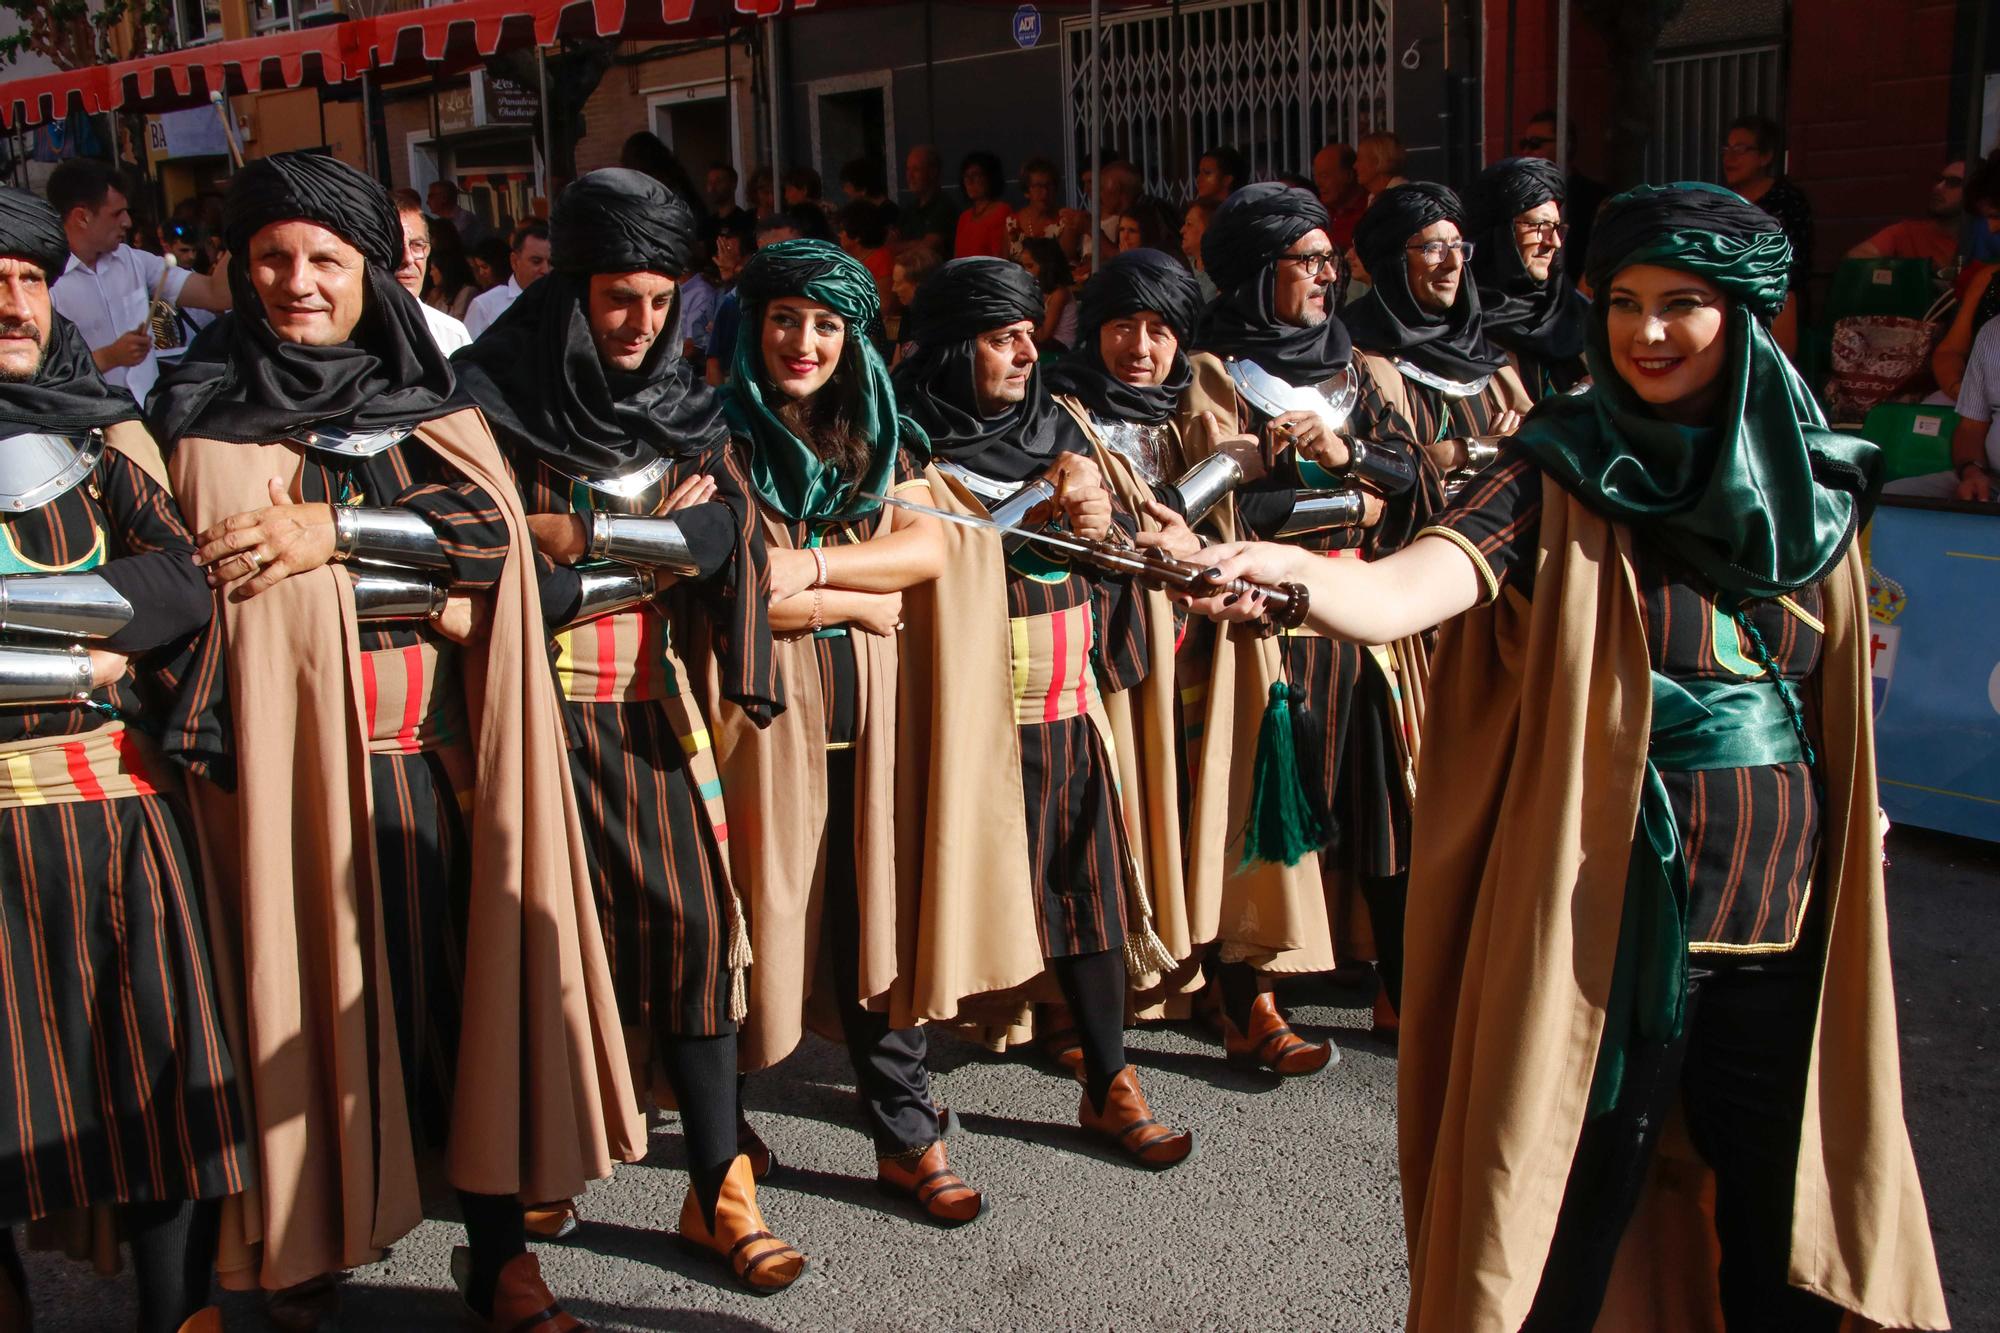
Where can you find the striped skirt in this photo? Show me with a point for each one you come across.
(1326, 673)
(118, 1086)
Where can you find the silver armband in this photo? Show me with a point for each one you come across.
(1206, 484)
(1480, 450)
(1317, 511)
(68, 606)
(1013, 511)
(383, 593)
(387, 536)
(609, 591)
(1385, 467)
(653, 543)
(44, 675)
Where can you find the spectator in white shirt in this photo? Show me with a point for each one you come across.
(1975, 445)
(108, 288)
(529, 258)
(449, 334)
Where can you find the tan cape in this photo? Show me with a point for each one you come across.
(543, 1099)
(774, 784)
(1540, 714)
(1271, 916)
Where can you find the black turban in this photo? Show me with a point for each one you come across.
(1703, 229)
(1134, 281)
(619, 221)
(934, 385)
(1240, 252)
(536, 373)
(1544, 319)
(240, 381)
(1388, 320)
(30, 230)
(66, 392)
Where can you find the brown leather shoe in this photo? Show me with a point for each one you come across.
(939, 1190)
(1272, 1044)
(750, 1144)
(550, 1221)
(522, 1302)
(207, 1320)
(762, 1263)
(1387, 1024)
(1128, 1122)
(1055, 1030)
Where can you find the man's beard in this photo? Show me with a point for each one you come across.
(23, 330)
(1311, 317)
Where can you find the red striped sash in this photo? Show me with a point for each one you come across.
(408, 708)
(619, 658)
(103, 765)
(1053, 679)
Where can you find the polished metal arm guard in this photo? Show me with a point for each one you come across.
(68, 606)
(1206, 484)
(1386, 468)
(387, 536)
(652, 543)
(608, 591)
(1013, 511)
(1480, 450)
(44, 675)
(382, 593)
(1317, 511)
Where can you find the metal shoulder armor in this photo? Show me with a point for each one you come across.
(38, 467)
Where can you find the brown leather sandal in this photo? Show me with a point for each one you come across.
(940, 1191)
(761, 1262)
(522, 1302)
(1271, 1043)
(1128, 1123)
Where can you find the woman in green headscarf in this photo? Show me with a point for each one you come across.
(1647, 1011)
(813, 797)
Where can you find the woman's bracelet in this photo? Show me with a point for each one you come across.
(819, 563)
(819, 614)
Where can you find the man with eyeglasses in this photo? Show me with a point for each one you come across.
(449, 334)
(1581, 194)
(1933, 236)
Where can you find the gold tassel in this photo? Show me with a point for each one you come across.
(739, 961)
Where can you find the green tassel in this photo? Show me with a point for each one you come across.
(1283, 825)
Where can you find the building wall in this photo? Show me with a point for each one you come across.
(623, 102)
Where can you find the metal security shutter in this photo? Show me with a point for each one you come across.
(1699, 94)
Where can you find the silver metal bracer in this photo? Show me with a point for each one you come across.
(1318, 511)
(397, 537)
(44, 675)
(65, 606)
(613, 589)
(1206, 484)
(1013, 511)
(1385, 467)
(385, 593)
(652, 543)
(1480, 450)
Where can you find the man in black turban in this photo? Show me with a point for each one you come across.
(97, 582)
(432, 931)
(1530, 308)
(1006, 449)
(623, 457)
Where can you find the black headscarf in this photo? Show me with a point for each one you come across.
(963, 299)
(1547, 319)
(240, 381)
(1388, 320)
(589, 420)
(1240, 253)
(67, 393)
(1134, 281)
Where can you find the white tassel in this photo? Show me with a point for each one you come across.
(739, 961)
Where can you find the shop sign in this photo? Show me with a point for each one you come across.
(504, 102)
(195, 132)
(454, 111)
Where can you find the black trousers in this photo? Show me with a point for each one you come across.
(1739, 1070)
(890, 1072)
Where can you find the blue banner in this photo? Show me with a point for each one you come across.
(1934, 643)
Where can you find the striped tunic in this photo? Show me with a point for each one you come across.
(118, 1085)
(1751, 834)
(647, 785)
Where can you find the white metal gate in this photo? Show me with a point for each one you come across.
(1699, 94)
(1275, 79)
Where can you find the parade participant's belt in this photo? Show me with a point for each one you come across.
(108, 764)
(1053, 679)
(619, 658)
(410, 701)
(1697, 725)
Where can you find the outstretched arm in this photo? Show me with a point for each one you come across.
(1366, 601)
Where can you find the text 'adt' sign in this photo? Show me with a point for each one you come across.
(1027, 26)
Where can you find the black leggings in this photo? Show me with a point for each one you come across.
(1739, 1070)
(1093, 985)
(173, 1255)
(702, 1072)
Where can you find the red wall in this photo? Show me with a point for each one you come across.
(1535, 80)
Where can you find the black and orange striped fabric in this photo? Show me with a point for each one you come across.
(1751, 834)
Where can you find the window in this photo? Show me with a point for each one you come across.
(197, 21)
(286, 15)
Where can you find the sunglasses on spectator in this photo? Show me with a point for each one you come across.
(1314, 262)
(1738, 149)
(1535, 143)
(1435, 251)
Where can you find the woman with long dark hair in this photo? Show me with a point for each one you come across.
(449, 285)
(1647, 868)
(982, 227)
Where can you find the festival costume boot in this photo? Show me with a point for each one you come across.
(751, 1145)
(550, 1221)
(522, 1302)
(1271, 1043)
(940, 1191)
(1055, 1030)
(1128, 1122)
(205, 1320)
(762, 1263)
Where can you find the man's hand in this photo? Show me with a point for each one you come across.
(881, 613)
(1372, 506)
(255, 551)
(1175, 539)
(1975, 485)
(696, 490)
(1246, 449)
(1080, 495)
(563, 538)
(1506, 423)
(128, 350)
(464, 617)
(1307, 432)
(107, 667)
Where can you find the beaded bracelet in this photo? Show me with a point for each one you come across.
(819, 563)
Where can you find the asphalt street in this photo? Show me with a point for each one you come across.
(1288, 1217)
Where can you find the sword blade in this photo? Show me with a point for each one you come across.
(984, 524)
